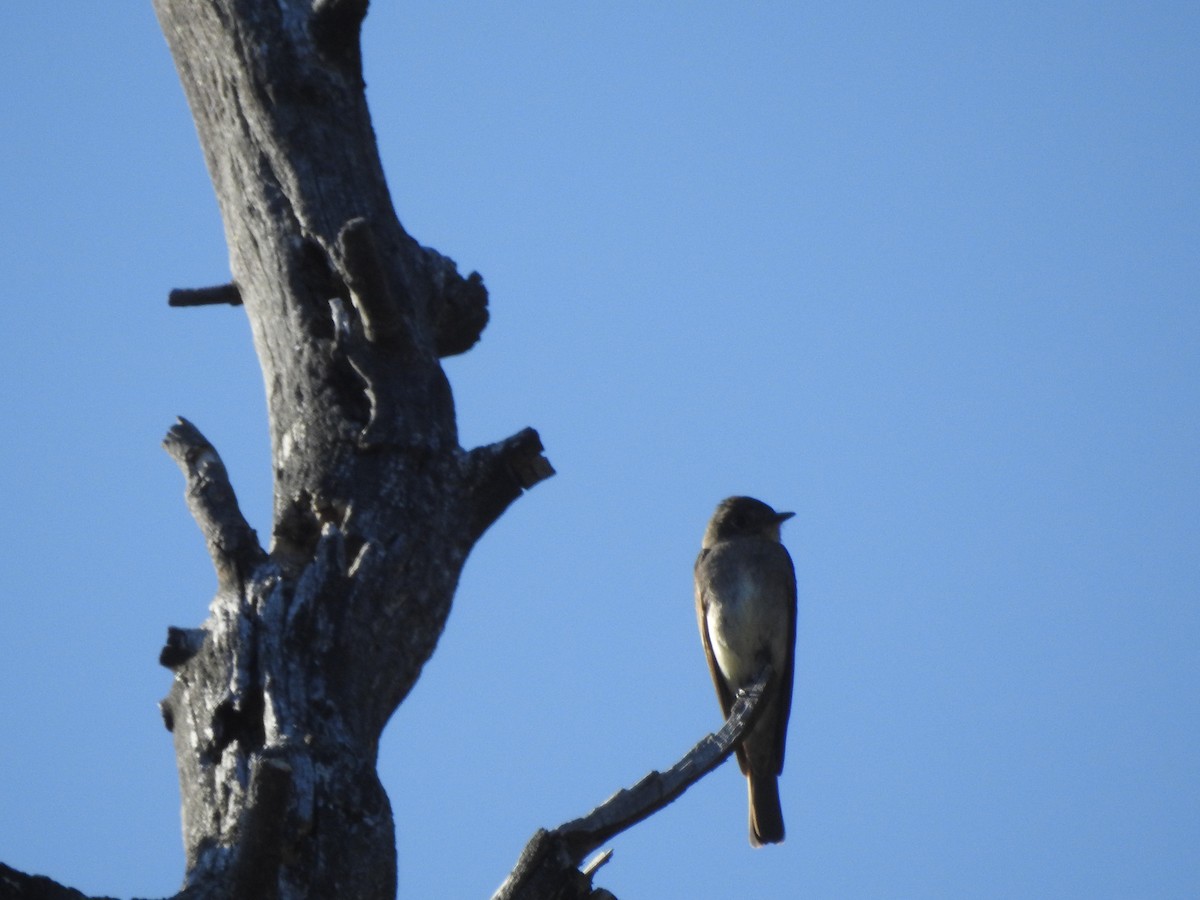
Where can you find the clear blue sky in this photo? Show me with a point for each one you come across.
(927, 274)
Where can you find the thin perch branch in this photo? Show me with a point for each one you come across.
(552, 857)
(629, 806)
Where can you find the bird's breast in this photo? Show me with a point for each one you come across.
(747, 625)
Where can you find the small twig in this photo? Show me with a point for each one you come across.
(206, 296)
(596, 862)
(232, 543)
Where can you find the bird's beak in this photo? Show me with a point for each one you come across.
(780, 518)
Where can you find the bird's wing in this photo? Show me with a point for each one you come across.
(724, 695)
(785, 677)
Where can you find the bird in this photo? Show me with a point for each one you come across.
(746, 610)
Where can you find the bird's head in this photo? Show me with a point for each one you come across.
(743, 517)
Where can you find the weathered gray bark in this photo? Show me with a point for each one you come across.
(281, 695)
(311, 644)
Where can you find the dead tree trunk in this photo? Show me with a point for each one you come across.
(281, 695)
(280, 699)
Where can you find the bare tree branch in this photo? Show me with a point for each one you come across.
(227, 294)
(499, 473)
(232, 543)
(550, 860)
(280, 696)
(16, 885)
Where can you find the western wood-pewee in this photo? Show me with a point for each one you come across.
(746, 609)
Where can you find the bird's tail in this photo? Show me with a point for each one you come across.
(766, 815)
